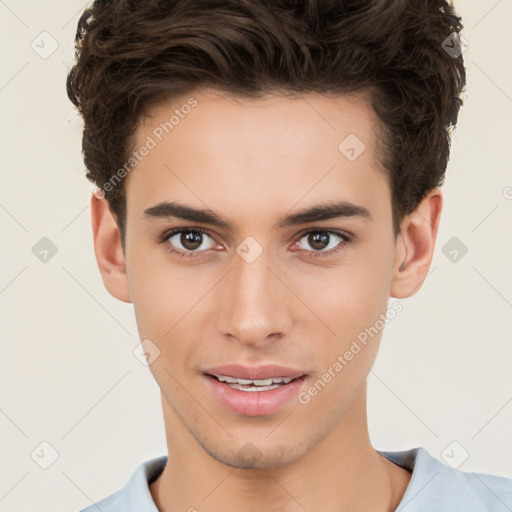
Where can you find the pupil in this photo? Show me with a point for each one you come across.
(319, 240)
(191, 240)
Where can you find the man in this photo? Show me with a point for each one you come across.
(268, 177)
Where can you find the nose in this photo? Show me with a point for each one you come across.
(255, 309)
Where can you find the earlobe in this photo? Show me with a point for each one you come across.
(108, 249)
(415, 246)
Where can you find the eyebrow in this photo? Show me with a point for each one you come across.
(326, 211)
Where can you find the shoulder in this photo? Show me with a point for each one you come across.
(135, 496)
(436, 487)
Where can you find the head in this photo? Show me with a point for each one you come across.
(314, 137)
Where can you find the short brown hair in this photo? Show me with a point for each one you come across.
(132, 54)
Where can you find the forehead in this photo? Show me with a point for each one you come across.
(279, 122)
(208, 148)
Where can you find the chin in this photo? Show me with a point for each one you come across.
(252, 457)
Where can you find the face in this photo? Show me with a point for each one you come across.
(284, 257)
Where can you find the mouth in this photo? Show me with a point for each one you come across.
(251, 385)
(254, 391)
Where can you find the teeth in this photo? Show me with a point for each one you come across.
(252, 388)
(227, 379)
(265, 382)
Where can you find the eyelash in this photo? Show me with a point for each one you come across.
(345, 240)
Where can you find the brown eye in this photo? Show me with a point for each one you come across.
(190, 240)
(322, 241)
(318, 241)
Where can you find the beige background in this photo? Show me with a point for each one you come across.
(68, 376)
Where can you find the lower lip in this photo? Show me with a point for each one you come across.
(254, 403)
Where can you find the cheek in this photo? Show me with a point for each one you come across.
(162, 305)
(158, 296)
(351, 302)
(351, 297)
(346, 358)
(171, 306)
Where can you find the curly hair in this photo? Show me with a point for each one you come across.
(131, 54)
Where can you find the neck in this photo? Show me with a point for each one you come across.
(341, 472)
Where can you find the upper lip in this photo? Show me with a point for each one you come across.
(266, 371)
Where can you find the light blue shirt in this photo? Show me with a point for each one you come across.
(433, 487)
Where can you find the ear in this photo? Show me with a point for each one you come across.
(108, 249)
(415, 245)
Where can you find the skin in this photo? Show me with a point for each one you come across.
(253, 161)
